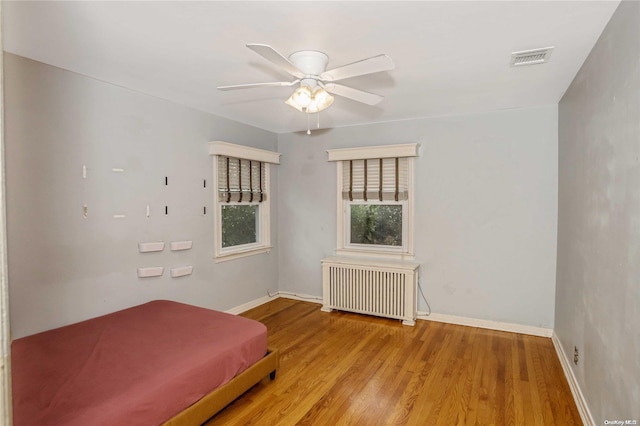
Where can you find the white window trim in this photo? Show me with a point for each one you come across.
(385, 151)
(245, 152)
(382, 151)
(263, 245)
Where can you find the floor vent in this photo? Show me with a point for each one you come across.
(531, 57)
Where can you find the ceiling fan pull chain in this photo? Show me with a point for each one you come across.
(308, 126)
(318, 117)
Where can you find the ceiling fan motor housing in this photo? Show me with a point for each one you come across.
(312, 63)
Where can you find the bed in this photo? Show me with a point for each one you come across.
(158, 363)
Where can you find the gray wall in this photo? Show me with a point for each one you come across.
(64, 268)
(598, 278)
(486, 203)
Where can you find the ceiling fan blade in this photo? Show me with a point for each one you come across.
(362, 67)
(271, 55)
(354, 94)
(252, 85)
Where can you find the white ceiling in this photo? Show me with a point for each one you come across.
(451, 57)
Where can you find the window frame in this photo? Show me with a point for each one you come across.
(263, 233)
(260, 237)
(343, 244)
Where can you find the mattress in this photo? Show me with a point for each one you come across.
(138, 366)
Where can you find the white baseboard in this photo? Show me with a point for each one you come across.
(491, 325)
(298, 296)
(250, 305)
(578, 396)
(262, 300)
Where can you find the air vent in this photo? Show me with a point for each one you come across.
(531, 57)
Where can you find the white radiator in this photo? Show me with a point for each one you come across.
(370, 286)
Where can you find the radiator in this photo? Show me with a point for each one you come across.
(369, 286)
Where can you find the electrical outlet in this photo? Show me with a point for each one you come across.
(575, 355)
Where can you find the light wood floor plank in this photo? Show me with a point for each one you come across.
(347, 369)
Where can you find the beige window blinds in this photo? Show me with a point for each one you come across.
(382, 179)
(241, 180)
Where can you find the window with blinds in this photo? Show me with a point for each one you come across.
(241, 180)
(241, 199)
(375, 179)
(375, 200)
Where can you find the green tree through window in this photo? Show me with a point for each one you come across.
(239, 224)
(376, 224)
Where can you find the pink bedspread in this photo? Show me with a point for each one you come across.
(139, 366)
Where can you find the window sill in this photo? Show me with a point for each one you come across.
(239, 254)
(374, 254)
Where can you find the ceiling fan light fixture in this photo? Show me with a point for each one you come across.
(321, 100)
(302, 96)
(304, 100)
(292, 104)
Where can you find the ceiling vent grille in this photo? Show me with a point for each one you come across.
(531, 57)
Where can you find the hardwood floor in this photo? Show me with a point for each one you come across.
(348, 369)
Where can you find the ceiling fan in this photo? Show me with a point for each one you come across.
(317, 84)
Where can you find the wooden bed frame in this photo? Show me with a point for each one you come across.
(219, 398)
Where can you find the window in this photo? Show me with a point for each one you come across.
(375, 200)
(377, 224)
(239, 225)
(242, 199)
